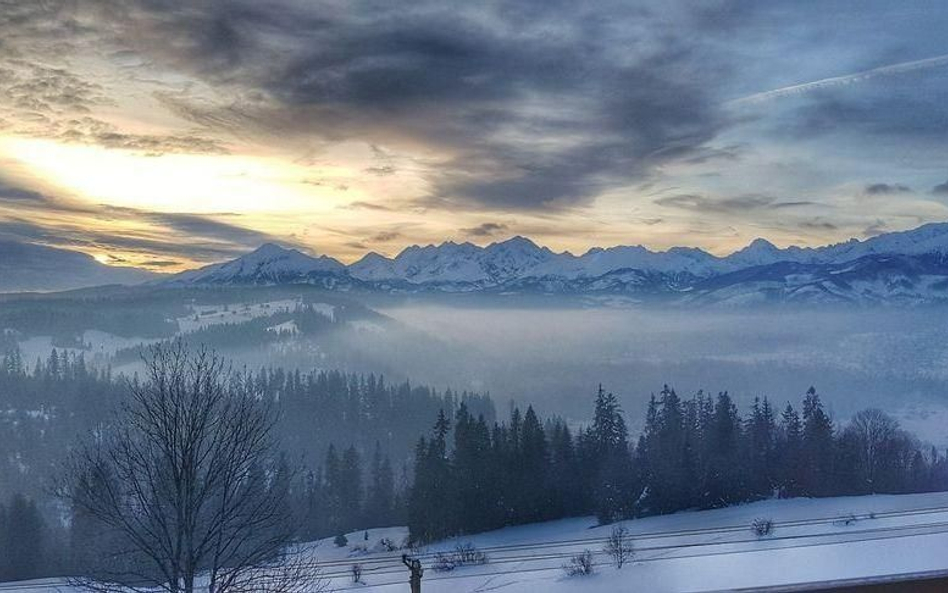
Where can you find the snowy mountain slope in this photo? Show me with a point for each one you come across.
(905, 268)
(29, 267)
(872, 279)
(268, 264)
(850, 539)
(926, 239)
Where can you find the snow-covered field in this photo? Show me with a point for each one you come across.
(203, 316)
(814, 540)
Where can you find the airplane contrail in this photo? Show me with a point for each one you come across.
(799, 89)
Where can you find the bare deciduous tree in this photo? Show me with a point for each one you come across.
(619, 546)
(184, 489)
(873, 430)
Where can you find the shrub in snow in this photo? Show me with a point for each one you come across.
(388, 545)
(579, 565)
(341, 541)
(763, 527)
(444, 562)
(463, 555)
(619, 546)
(468, 554)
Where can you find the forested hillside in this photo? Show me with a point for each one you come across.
(354, 456)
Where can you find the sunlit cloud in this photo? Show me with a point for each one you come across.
(173, 182)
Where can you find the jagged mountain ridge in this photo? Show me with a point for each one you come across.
(908, 266)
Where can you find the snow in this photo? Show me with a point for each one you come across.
(325, 309)
(203, 316)
(287, 327)
(814, 540)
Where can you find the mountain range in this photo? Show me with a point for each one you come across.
(907, 267)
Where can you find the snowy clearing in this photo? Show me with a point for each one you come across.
(203, 316)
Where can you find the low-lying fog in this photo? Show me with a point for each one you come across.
(894, 360)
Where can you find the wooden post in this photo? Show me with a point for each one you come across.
(416, 572)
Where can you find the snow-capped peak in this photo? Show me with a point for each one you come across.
(759, 252)
(268, 264)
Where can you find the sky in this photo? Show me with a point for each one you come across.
(167, 133)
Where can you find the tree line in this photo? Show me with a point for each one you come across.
(694, 453)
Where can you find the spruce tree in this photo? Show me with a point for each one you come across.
(817, 446)
(381, 500)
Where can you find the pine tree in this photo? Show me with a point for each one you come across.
(431, 507)
(335, 503)
(533, 469)
(724, 484)
(381, 500)
(665, 451)
(350, 488)
(817, 447)
(790, 453)
(760, 431)
(608, 440)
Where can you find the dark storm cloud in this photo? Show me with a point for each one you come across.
(198, 227)
(486, 229)
(941, 189)
(879, 189)
(537, 104)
